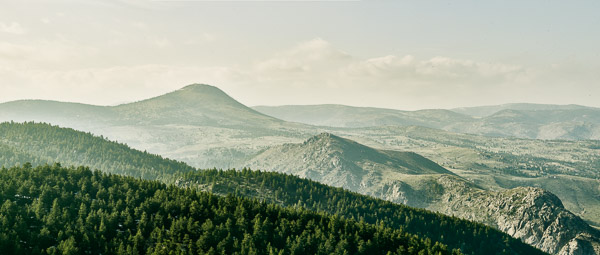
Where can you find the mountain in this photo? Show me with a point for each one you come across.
(350, 116)
(483, 111)
(565, 168)
(198, 124)
(194, 104)
(341, 162)
(413, 180)
(42, 143)
(571, 122)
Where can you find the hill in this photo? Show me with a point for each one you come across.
(483, 111)
(571, 122)
(413, 180)
(41, 144)
(271, 187)
(198, 124)
(350, 116)
(77, 211)
(341, 162)
(565, 168)
(197, 104)
(286, 189)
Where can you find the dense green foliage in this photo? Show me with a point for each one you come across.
(40, 144)
(54, 210)
(470, 237)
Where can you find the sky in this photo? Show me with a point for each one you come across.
(394, 54)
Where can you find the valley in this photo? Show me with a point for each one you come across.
(412, 165)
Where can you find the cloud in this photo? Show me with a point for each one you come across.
(317, 65)
(12, 28)
(45, 54)
(308, 56)
(311, 72)
(393, 68)
(200, 39)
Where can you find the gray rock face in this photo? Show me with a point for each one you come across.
(534, 215)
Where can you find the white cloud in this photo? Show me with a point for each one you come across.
(12, 28)
(200, 39)
(309, 73)
(45, 54)
(316, 58)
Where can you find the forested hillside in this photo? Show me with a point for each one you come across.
(470, 237)
(40, 143)
(54, 210)
(282, 189)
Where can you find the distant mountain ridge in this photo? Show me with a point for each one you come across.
(571, 122)
(351, 116)
(483, 111)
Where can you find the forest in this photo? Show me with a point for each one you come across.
(470, 237)
(57, 210)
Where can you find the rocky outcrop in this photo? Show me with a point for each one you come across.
(533, 215)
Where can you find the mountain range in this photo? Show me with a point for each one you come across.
(281, 189)
(415, 164)
(571, 122)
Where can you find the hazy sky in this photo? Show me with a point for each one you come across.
(394, 54)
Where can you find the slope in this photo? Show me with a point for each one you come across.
(350, 116)
(42, 140)
(45, 144)
(570, 122)
(193, 104)
(565, 168)
(198, 124)
(76, 211)
(284, 189)
(339, 162)
(483, 111)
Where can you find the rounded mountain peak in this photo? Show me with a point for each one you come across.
(195, 103)
(201, 88)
